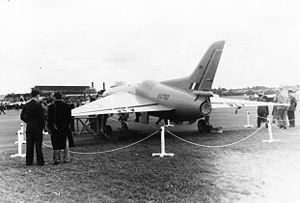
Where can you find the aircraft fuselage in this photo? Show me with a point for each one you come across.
(187, 106)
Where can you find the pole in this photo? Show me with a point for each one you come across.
(270, 133)
(19, 142)
(248, 125)
(162, 140)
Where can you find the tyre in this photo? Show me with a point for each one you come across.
(108, 130)
(203, 127)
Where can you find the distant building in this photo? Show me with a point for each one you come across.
(68, 91)
(46, 91)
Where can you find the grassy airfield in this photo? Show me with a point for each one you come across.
(250, 171)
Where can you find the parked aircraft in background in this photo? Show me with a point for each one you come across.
(183, 99)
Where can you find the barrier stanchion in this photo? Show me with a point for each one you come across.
(162, 138)
(270, 132)
(248, 125)
(20, 142)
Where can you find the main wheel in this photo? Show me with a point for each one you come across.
(203, 126)
(108, 130)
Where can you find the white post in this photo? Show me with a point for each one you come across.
(162, 139)
(270, 132)
(23, 133)
(19, 142)
(248, 125)
(22, 127)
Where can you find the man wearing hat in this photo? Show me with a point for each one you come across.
(291, 109)
(59, 117)
(33, 115)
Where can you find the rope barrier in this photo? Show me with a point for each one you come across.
(276, 127)
(184, 140)
(274, 118)
(225, 117)
(215, 146)
(48, 146)
(112, 150)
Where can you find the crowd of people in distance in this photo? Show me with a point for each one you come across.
(53, 115)
(282, 114)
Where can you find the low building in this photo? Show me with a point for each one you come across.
(68, 91)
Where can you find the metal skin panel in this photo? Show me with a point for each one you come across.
(119, 102)
(185, 105)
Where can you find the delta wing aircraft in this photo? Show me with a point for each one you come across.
(183, 99)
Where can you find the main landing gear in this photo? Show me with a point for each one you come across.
(203, 125)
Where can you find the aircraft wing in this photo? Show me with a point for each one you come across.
(227, 103)
(118, 103)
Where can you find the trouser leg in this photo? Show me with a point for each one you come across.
(56, 156)
(285, 119)
(66, 153)
(29, 148)
(291, 117)
(259, 119)
(71, 140)
(258, 122)
(38, 148)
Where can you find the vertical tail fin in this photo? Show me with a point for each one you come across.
(204, 74)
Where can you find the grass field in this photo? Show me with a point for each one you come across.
(250, 171)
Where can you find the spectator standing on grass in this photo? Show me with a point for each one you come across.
(262, 111)
(33, 115)
(291, 109)
(59, 116)
(71, 104)
(282, 98)
(2, 107)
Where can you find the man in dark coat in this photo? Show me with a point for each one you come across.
(262, 111)
(33, 115)
(59, 117)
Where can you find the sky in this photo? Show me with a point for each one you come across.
(76, 42)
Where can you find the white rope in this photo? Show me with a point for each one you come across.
(113, 150)
(215, 146)
(48, 146)
(274, 117)
(210, 118)
(276, 127)
(107, 151)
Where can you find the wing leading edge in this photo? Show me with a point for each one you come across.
(118, 103)
(227, 103)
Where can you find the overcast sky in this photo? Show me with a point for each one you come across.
(75, 42)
